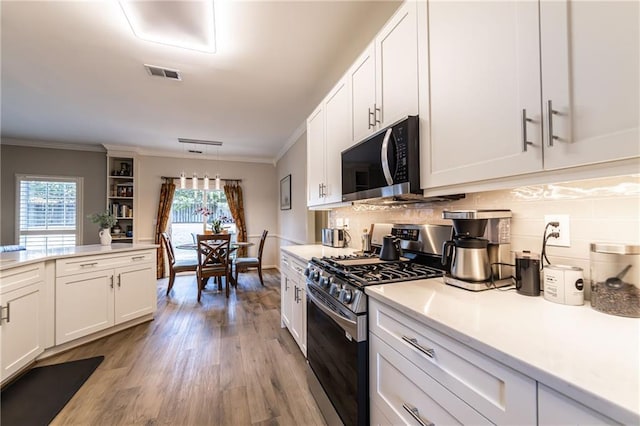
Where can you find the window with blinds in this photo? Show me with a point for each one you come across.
(49, 211)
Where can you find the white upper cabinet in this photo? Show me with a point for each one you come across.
(484, 88)
(327, 135)
(526, 86)
(315, 156)
(590, 75)
(383, 82)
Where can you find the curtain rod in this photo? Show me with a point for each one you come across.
(200, 178)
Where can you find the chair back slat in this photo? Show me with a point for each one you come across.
(168, 247)
(213, 250)
(262, 240)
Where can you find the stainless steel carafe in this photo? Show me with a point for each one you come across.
(468, 257)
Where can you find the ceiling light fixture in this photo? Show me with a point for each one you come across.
(184, 24)
(217, 183)
(183, 180)
(194, 181)
(206, 182)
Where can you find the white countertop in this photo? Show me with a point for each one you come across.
(590, 356)
(306, 252)
(25, 257)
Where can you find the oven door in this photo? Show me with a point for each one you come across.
(337, 352)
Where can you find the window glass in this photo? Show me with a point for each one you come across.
(48, 211)
(192, 212)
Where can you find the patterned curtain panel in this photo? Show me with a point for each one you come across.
(164, 209)
(233, 192)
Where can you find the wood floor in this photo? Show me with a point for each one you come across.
(220, 362)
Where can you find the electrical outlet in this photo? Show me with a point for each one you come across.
(339, 222)
(564, 240)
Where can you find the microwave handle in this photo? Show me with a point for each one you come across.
(385, 159)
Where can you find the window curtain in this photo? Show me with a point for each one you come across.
(233, 192)
(164, 209)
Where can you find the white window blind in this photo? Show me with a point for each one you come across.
(48, 211)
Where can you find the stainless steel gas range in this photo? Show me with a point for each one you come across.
(337, 330)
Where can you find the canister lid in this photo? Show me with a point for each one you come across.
(615, 248)
(526, 254)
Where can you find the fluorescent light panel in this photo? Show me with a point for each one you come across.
(200, 142)
(185, 24)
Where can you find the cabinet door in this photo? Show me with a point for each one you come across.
(557, 409)
(484, 71)
(362, 94)
(337, 138)
(315, 157)
(135, 293)
(21, 330)
(397, 67)
(299, 316)
(590, 69)
(286, 290)
(84, 304)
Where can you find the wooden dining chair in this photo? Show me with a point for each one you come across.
(213, 260)
(176, 266)
(251, 262)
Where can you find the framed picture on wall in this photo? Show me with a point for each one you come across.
(285, 193)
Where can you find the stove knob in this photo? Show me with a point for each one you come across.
(315, 275)
(307, 272)
(334, 290)
(347, 295)
(324, 281)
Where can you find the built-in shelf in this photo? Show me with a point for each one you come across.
(121, 193)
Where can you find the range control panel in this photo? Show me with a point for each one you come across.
(406, 234)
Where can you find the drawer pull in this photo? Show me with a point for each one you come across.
(86, 265)
(414, 342)
(416, 415)
(7, 319)
(137, 258)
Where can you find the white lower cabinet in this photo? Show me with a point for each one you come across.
(407, 395)
(22, 331)
(452, 377)
(93, 301)
(294, 299)
(555, 408)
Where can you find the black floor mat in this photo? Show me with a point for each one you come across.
(37, 397)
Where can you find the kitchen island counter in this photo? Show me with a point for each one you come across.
(25, 257)
(586, 355)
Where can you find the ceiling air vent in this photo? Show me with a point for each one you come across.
(163, 72)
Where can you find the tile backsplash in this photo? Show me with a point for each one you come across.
(600, 210)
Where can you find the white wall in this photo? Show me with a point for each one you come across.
(295, 226)
(601, 210)
(260, 195)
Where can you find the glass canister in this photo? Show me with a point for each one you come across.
(615, 279)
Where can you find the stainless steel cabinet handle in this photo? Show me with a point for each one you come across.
(377, 111)
(319, 190)
(8, 317)
(525, 120)
(119, 279)
(137, 258)
(416, 415)
(286, 284)
(550, 112)
(86, 265)
(371, 114)
(414, 342)
(111, 281)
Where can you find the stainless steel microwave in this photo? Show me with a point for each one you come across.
(385, 165)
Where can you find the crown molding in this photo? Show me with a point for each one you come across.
(53, 145)
(291, 141)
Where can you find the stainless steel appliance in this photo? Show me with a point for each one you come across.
(333, 237)
(479, 255)
(337, 347)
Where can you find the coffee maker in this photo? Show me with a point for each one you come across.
(479, 256)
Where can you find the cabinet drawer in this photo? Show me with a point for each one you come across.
(499, 393)
(21, 276)
(557, 409)
(398, 386)
(78, 265)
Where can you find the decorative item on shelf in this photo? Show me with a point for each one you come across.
(105, 220)
(125, 169)
(116, 230)
(129, 231)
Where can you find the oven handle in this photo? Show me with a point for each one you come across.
(347, 325)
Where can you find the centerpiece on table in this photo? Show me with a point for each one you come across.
(105, 220)
(215, 225)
